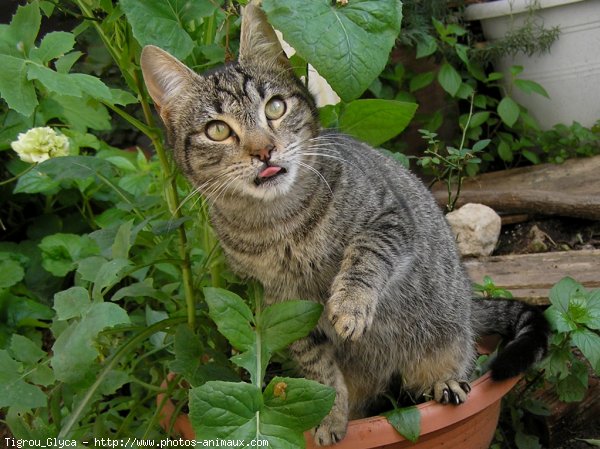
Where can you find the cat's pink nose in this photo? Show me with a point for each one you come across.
(264, 154)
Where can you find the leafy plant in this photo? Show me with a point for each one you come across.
(243, 411)
(111, 275)
(482, 96)
(451, 165)
(574, 352)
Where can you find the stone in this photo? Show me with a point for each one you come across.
(476, 228)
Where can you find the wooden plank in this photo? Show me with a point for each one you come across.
(529, 277)
(571, 189)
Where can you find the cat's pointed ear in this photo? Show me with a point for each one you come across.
(258, 41)
(164, 75)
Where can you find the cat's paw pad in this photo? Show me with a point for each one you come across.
(451, 392)
(351, 316)
(331, 430)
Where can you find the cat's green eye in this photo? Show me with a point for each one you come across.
(275, 108)
(218, 130)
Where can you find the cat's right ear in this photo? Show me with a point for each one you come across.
(258, 41)
(164, 75)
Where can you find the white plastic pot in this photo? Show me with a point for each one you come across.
(570, 72)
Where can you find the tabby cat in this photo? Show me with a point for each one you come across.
(313, 214)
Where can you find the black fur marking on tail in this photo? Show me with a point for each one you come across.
(525, 336)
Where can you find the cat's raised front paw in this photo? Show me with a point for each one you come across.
(351, 315)
(331, 430)
(451, 392)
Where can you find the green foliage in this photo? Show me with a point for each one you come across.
(450, 165)
(110, 274)
(374, 121)
(489, 290)
(407, 421)
(355, 47)
(574, 352)
(237, 410)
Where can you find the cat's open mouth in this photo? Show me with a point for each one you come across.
(269, 173)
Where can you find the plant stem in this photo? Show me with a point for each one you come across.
(151, 131)
(173, 204)
(116, 357)
(17, 176)
(459, 169)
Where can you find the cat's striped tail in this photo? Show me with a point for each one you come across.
(524, 330)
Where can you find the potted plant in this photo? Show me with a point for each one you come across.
(469, 426)
(569, 70)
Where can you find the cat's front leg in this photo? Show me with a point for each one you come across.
(315, 356)
(355, 290)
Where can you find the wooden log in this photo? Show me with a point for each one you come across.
(529, 277)
(570, 189)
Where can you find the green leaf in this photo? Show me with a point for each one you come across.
(481, 145)
(65, 63)
(17, 91)
(288, 407)
(296, 404)
(589, 344)
(25, 350)
(163, 23)
(589, 441)
(376, 121)
(60, 252)
(75, 354)
(80, 112)
(407, 421)
(108, 274)
(505, 152)
(140, 290)
(561, 293)
(11, 273)
(71, 303)
(225, 410)
(574, 386)
(14, 391)
(19, 36)
(357, 42)
(531, 156)
(529, 86)
(54, 45)
(68, 171)
(525, 441)
(421, 80)
(232, 316)
(509, 111)
(122, 243)
(449, 79)
(283, 323)
(426, 46)
(478, 119)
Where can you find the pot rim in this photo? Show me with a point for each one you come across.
(376, 431)
(499, 8)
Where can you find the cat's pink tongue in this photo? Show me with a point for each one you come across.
(269, 171)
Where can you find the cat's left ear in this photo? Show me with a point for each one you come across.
(258, 41)
(165, 76)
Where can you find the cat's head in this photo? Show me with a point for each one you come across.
(241, 129)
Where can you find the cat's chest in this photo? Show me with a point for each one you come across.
(285, 266)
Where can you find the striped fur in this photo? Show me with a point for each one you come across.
(341, 224)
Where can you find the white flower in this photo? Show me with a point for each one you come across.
(39, 144)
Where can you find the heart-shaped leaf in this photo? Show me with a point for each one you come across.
(348, 45)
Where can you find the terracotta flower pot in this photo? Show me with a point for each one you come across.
(467, 426)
